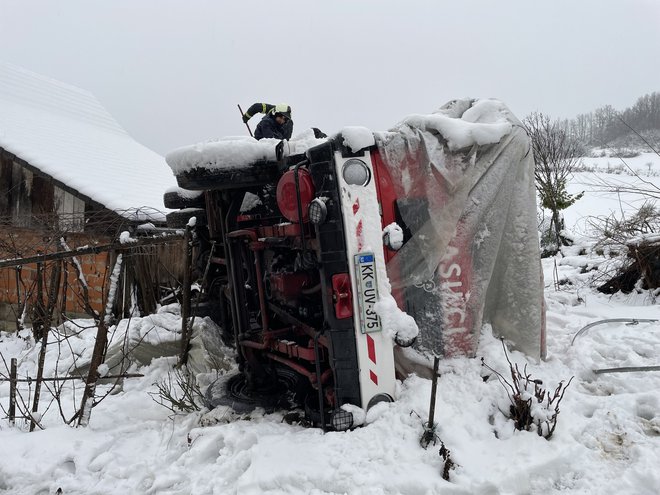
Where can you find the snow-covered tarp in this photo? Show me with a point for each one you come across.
(464, 182)
(67, 134)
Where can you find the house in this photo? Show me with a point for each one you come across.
(70, 175)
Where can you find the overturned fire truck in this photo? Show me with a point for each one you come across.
(323, 258)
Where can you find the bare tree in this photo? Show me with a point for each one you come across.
(556, 154)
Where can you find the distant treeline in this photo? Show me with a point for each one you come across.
(607, 127)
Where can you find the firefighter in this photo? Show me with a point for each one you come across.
(276, 123)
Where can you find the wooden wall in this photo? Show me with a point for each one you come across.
(35, 214)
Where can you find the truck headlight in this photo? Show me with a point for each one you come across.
(317, 211)
(342, 420)
(356, 172)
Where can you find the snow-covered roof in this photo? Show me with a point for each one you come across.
(66, 133)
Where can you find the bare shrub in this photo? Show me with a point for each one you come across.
(445, 453)
(532, 406)
(178, 392)
(618, 230)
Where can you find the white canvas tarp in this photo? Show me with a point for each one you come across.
(464, 183)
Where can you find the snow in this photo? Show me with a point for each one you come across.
(125, 238)
(67, 134)
(250, 202)
(464, 132)
(607, 438)
(396, 323)
(236, 151)
(610, 188)
(184, 193)
(394, 234)
(103, 370)
(112, 292)
(222, 154)
(357, 138)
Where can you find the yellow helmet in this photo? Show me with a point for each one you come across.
(282, 109)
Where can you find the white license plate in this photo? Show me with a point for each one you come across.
(367, 287)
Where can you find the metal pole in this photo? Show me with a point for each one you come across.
(434, 387)
(246, 124)
(429, 435)
(12, 391)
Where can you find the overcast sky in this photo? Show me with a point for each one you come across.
(172, 72)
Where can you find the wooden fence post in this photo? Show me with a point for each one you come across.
(38, 313)
(185, 296)
(45, 316)
(98, 355)
(19, 313)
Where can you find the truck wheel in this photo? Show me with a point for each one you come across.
(234, 392)
(179, 219)
(175, 200)
(246, 177)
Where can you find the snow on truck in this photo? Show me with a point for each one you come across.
(325, 258)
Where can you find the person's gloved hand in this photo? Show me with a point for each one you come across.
(246, 117)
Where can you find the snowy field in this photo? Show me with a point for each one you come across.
(608, 183)
(607, 439)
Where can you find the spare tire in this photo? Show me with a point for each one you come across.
(233, 391)
(180, 218)
(180, 198)
(245, 177)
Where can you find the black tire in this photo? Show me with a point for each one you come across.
(247, 177)
(206, 308)
(174, 200)
(179, 219)
(233, 392)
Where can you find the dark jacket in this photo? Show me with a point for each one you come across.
(269, 128)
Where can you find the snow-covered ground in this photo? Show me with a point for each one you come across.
(607, 183)
(607, 439)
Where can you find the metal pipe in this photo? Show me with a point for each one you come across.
(319, 379)
(299, 205)
(434, 387)
(254, 345)
(295, 366)
(257, 265)
(311, 290)
(236, 320)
